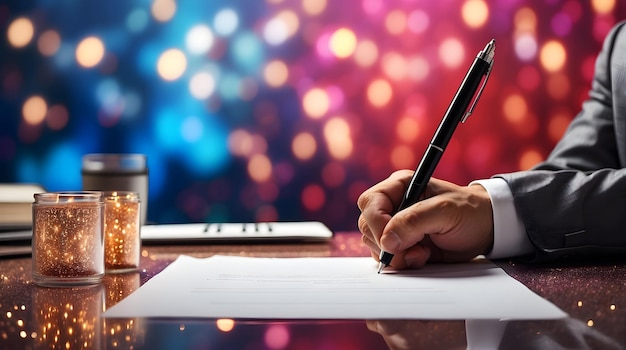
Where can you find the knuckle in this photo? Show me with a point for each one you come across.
(362, 224)
(363, 200)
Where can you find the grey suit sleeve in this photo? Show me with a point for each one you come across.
(574, 203)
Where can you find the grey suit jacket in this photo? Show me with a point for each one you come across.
(574, 203)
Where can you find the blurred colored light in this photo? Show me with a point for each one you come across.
(407, 129)
(167, 126)
(451, 52)
(372, 7)
(49, 42)
(276, 73)
(268, 191)
(275, 31)
(525, 20)
(57, 117)
(418, 21)
(558, 86)
(202, 85)
(338, 140)
(418, 68)
(107, 91)
(528, 78)
(137, 20)
(342, 43)
(171, 64)
(601, 26)
(163, 10)
(333, 174)
(525, 47)
(191, 129)
(335, 97)
(132, 104)
(395, 66)
(313, 197)
(226, 22)
(64, 57)
(20, 32)
(248, 52)
(303, 146)
(573, 9)
(396, 22)
(552, 56)
(266, 213)
(199, 39)
(529, 158)
(225, 324)
(259, 168)
(89, 52)
(313, 7)
(603, 7)
(366, 53)
(475, 13)
(402, 157)
(240, 143)
(322, 46)
(561, 24)
(259, 144)
(277, 336)
(515, 108)
(248, 89)
(315, 103)
(379, 93)
(291, 21)
(229, 86)
(53, 170)
(557, 125)
(588, 67)
(281, 27)
(205, 154)
(34, 110)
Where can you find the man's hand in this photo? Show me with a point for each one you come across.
(450, 223)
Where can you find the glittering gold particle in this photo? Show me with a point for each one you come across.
(67, 241)
(68, 318)
(122, 227)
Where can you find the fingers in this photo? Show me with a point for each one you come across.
(409, 226)
(372, 245)
(455, 223)
(378, 203)
(450, 223)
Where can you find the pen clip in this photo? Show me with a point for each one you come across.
(480, 91)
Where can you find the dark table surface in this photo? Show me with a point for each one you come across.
(33, 317)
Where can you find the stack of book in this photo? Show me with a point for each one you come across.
(16, 205)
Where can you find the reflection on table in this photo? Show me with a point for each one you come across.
(34, 317)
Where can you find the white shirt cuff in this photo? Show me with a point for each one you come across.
(509, 233)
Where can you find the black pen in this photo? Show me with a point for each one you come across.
(457, 113)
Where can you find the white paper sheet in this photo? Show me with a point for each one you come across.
(331, 288)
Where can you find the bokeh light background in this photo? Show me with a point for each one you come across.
(284, 109)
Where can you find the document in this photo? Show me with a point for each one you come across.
(331, 288)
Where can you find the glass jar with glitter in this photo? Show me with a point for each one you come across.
(68, 240)
(122, 226)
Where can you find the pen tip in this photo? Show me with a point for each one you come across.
(381, 266)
